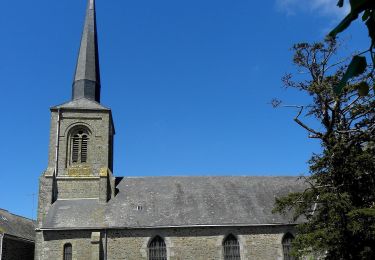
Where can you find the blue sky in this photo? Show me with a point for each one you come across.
(189, 83)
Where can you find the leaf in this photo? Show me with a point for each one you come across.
(356, 67)
(343, 24)
(357, 7)
(366, 15)
(363, 89)
(340, 3)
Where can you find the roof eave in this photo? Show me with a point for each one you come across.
(161, 227)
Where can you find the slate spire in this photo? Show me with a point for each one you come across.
(87, 75)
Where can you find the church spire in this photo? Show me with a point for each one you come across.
(87, 75)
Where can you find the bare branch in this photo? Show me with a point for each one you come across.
(309, 129)
(337, 63)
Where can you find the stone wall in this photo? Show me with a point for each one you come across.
(100, 125)
(203, 243)
(52, 245)
(78, 188)
(15, 249)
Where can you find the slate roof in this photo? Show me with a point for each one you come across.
(17, 226)
(178, 201)
(82, 103)
(87, 75)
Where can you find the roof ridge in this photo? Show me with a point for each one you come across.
(16, 215)
(82, 99)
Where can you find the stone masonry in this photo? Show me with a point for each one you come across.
(194, 243)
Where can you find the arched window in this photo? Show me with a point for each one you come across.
(157, 249)
(68, 251)
(287, 246)
(78, 145)
(231, 248)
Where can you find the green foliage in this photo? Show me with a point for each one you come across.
(356, 67)
(357, 7)
(363, 89)
(358, 63)
(338, 205)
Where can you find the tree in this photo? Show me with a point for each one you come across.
(358, 63)
(337, 208)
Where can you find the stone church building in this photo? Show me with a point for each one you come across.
(87, 213)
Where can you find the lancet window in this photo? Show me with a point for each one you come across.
(287, 246)
(79, 145)
(68, 251)
(157, 249)
(231, 248)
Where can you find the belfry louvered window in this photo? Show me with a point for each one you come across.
(231, 248)
(79, 146)
(287, 246)
(67, 252)
(157, 249)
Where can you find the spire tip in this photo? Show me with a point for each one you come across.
(87, 76)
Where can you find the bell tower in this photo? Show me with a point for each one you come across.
(80, 160)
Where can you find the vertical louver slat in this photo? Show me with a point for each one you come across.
(84, 142)
(75, 148)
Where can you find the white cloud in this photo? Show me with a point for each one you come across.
(326, 8)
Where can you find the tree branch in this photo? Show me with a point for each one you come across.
(299, 122)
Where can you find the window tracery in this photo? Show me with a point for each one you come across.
(79, 145)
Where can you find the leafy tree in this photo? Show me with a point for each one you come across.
(337, 208)
(358, 63)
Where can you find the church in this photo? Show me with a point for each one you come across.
(85, 212)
